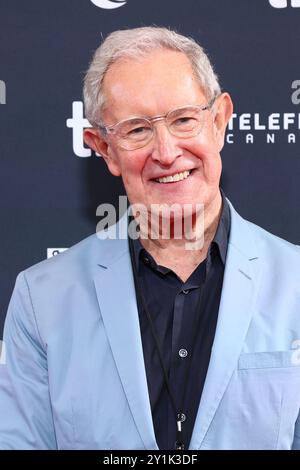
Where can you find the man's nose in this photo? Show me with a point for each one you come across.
(165, 145)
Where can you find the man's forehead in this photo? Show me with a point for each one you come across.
(163, 64)
(137, 84)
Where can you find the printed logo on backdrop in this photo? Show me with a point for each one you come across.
(54, 251)
(2, 92)
(109, 4)
(285, 3)
(242, 128)
(268, 128)
(78, 123)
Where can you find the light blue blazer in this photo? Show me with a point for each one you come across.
(74, 375)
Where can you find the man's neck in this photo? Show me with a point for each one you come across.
(174, 254)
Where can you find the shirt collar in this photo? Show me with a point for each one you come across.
(222, 234)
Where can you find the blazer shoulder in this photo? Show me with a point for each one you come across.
(254, 241)
(80, 261)
(274, 246)
(69, 259)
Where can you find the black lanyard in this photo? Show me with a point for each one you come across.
(179, 444)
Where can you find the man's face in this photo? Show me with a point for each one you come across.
(152, 86)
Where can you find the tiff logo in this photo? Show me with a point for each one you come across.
(109, 4)
(78, 123)
(2, 92)
(284, 3)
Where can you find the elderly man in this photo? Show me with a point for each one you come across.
(151, 341)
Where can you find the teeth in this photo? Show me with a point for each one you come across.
(173, 178)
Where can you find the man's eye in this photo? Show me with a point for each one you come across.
(137, 130)
(183, 120)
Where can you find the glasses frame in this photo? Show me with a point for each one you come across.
(162, 117)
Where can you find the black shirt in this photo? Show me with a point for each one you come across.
(172, 306)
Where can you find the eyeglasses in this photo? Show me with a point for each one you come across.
(136, 132)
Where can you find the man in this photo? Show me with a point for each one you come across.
(157, 342)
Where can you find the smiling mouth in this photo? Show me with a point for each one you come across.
(174, 178)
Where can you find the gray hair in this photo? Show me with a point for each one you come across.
(138, 42)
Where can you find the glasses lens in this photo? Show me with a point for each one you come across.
(137, 132)
(185, 122)
(134, 133)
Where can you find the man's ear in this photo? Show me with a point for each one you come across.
(94, 139)
(222, 112)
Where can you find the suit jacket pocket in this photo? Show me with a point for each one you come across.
(268, 385)
(274, 359)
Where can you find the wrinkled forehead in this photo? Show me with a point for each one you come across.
(151, 84)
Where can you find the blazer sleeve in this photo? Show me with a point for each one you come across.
(25, 409)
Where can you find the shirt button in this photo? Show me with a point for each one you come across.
(181, 417)
(147, 260)
(183, 352)
(185, 291)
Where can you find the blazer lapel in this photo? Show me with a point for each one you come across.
(117, 301)
(239, 292)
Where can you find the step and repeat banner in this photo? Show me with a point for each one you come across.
(51, 184)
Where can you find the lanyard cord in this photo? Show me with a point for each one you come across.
(179, 445)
